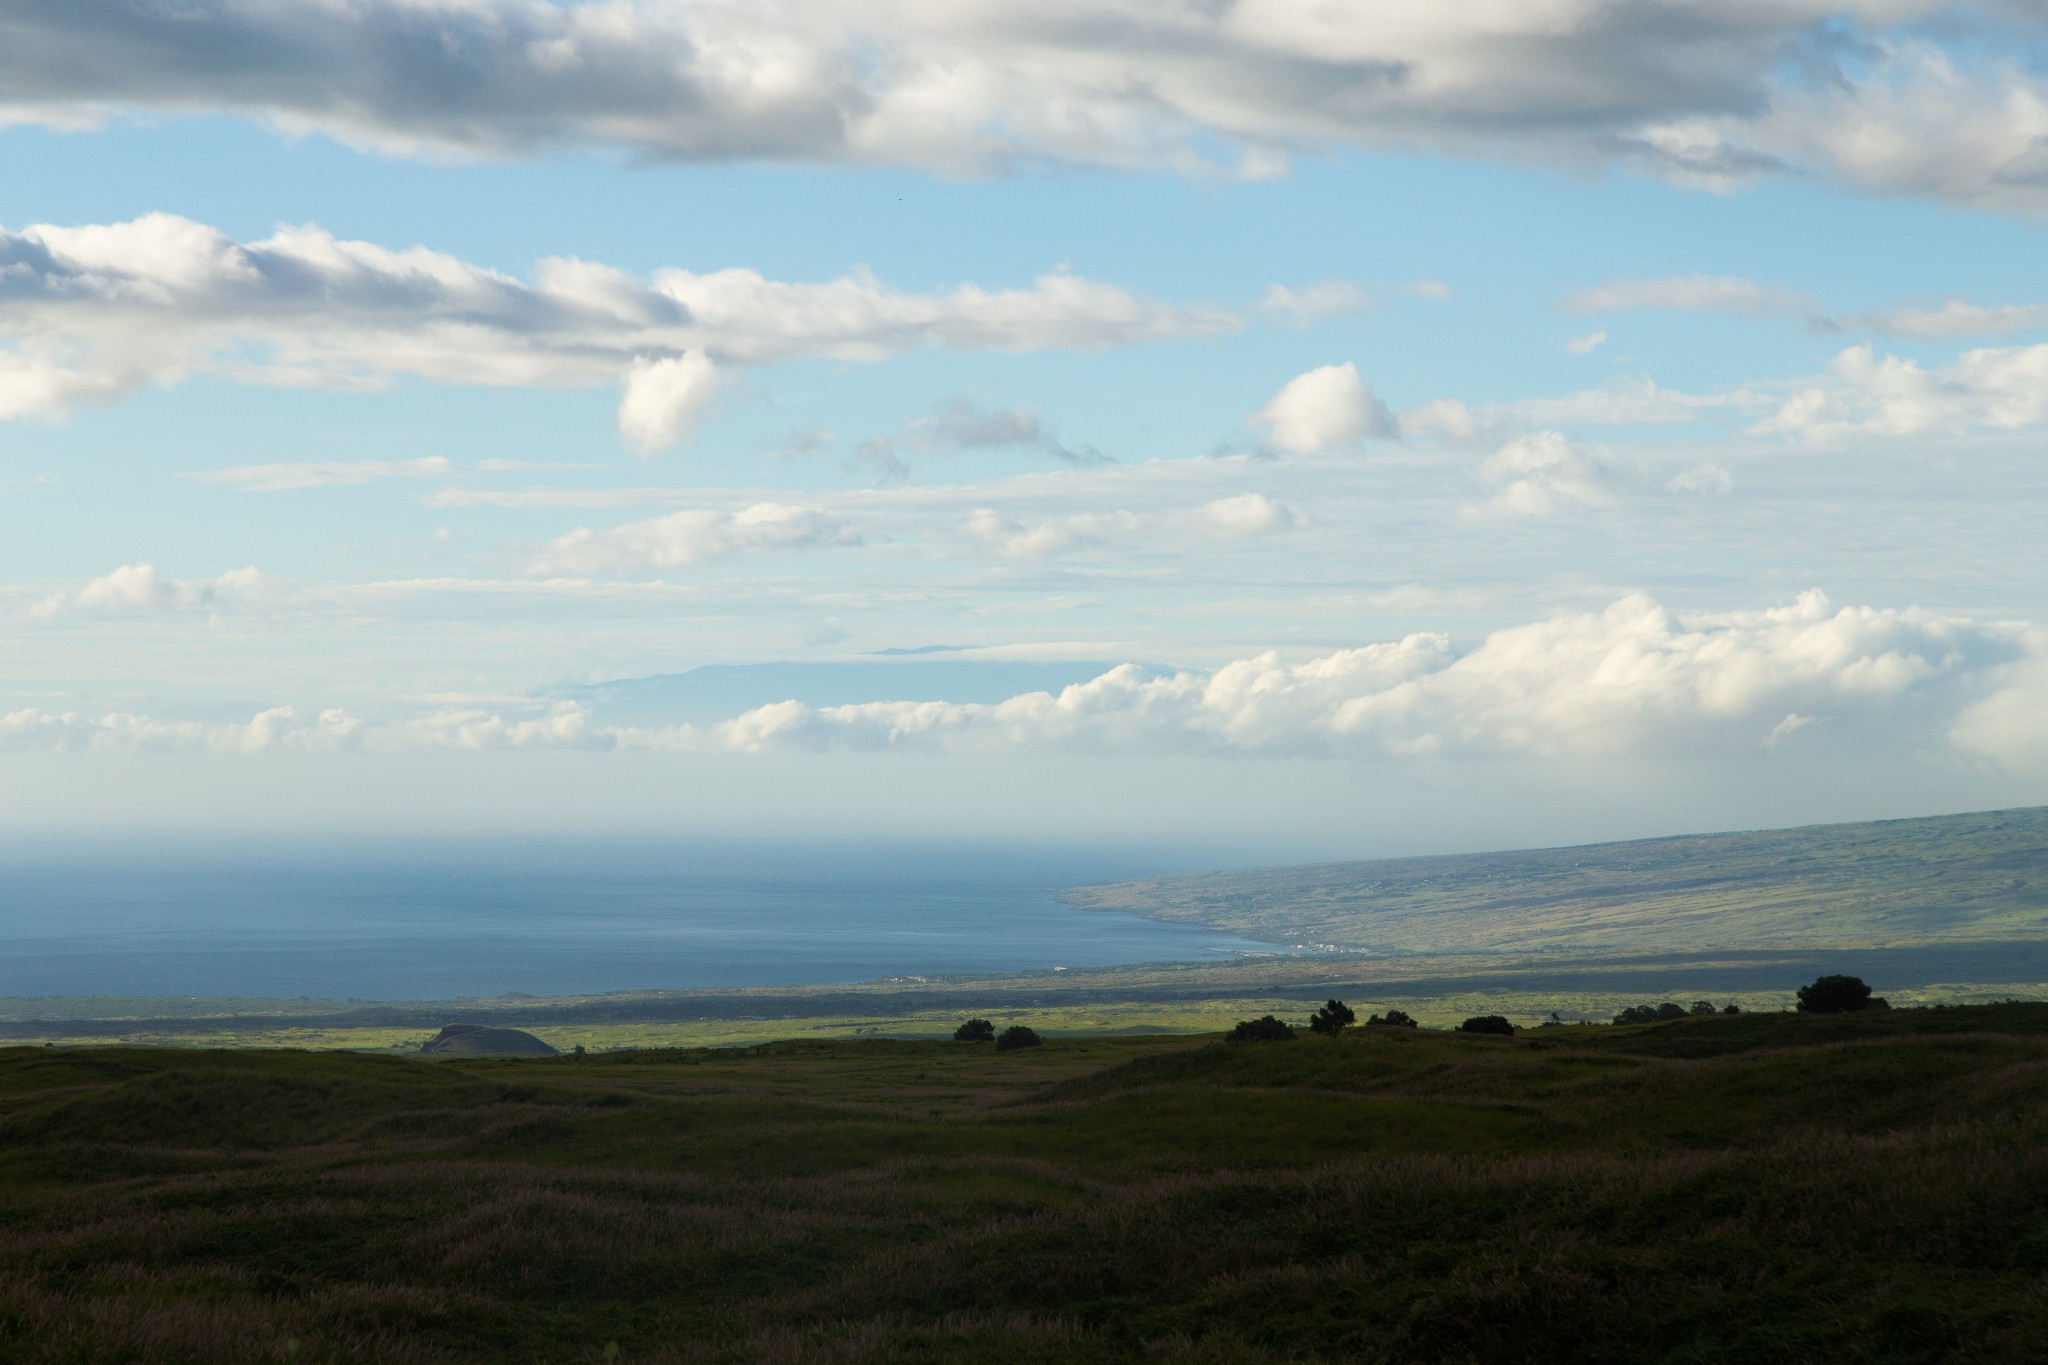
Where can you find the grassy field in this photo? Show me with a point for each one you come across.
(1753, 1188)
(1946, 879)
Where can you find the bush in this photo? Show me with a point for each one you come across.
(1393, 1019)
(1264, 1029)
(1649, 1014)
(1016, 1036)
(1487, 1023)
(1333, 1018)
(1731, 1009)
(1702, 1007)
(975, 1031)
(1834, 995)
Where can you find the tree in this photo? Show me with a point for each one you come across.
(1264, 1029)
(1393, 1019)
(1487, 1023)
(1731, 1009)
(1016, 1036)
(1333, 1018)
(1834, 995)
(975, 1031)
(1702, 1007)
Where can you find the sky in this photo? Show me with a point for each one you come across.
(1284, 429)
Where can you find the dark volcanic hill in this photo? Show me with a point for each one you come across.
(471, 1040)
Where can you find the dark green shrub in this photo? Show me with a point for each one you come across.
(1016, 1036)
(1731, 1009)
(1264, 1029)
(1834, 995)
(1487, 1023)
(975, 1031)
(1333, 1018)
(1393, 1019)
(1702, 1007)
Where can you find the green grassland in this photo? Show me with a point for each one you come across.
(1954, 878)
(1751, 1188)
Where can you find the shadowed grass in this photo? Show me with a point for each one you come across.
(1869, 1188)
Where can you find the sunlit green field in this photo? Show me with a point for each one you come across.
(1761, 1187)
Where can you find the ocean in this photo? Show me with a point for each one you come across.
(421, 923)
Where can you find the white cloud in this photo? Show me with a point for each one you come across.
(1699, 293)
(1585, 345)
(1861, 91)
(1956, 318)
(666, 399)
(1326, 408)
(1632, 679)
(139, 588)
(282, 478)
(273, 729)
(691, 537)
(1702, 480)
(89, 313)
(1241, 516)
(1542, 473)
(1864, 394)
(528, 498)
(1316, 302)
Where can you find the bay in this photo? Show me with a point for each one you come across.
(377, 922)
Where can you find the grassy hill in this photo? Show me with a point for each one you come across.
(1764, 1187)
(1946, 879)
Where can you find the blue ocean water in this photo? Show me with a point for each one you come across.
(383, 923)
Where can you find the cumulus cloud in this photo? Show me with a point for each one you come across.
(1327, 408)
(1697, 293)
(274, 729)
(139, 588)
(1896, 96)
(1234, 518)
(691, 537)
(284, 478)
(1865, 394)
(89, 313)
(666, 399)
(1632, 679)
(1585, 345)
(1544, 472)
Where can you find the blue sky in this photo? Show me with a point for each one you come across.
(1637, 434)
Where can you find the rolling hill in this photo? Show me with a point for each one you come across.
(1888, 883)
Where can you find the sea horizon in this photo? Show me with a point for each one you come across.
(410, 920)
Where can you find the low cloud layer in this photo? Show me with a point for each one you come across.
(1635, 681)
(1892, 96)
(88, 314)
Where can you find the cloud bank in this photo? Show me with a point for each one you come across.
(1632, 681)
(1892, 96)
